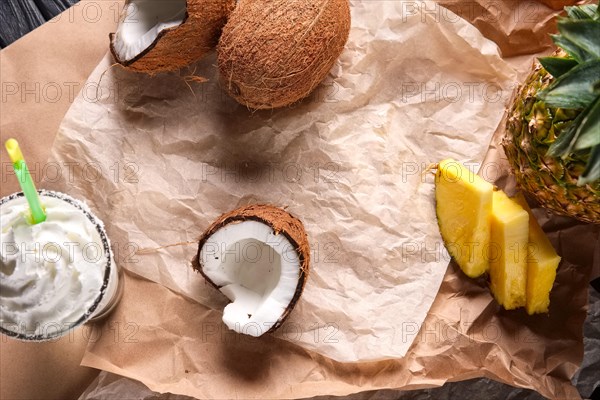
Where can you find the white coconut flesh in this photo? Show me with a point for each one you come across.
(144, 20)
(257, 269)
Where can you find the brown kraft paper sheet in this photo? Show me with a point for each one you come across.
(425, 357)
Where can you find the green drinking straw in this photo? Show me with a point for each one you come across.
(35, 205)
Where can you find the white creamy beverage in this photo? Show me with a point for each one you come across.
(54, 275)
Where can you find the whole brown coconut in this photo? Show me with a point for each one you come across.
(176, 46)
(277, 222)
(273, 53)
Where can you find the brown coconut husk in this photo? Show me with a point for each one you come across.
(273, 53)
(181, 45)
(281, 222)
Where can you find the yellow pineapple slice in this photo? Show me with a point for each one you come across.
(542, 262)
(464, 208)
(508, 251)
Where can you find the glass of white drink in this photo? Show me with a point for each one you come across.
(54, 275)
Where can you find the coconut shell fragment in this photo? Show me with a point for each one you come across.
(273, 53)
(278, 222)
(176, 46)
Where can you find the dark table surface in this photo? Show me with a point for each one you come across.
(18, 17)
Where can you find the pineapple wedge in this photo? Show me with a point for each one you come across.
(464, 208)
(542, 262)
(508, 251)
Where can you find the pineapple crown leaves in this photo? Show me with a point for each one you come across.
(577, 86)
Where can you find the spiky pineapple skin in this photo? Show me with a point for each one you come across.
(531, 128)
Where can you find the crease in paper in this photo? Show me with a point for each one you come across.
(348, 161)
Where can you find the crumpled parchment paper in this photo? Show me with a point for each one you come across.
(108, 386)
(158, 158)
(136, 342)
(464, 335)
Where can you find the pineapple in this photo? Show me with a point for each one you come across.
(463, 208)
(553, 126)
(486, 231)
(508, 251)
(542, 262)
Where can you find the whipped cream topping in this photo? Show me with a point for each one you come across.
(53, 272)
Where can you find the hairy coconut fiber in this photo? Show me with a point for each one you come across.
(282, 223)
(273, 53)
(184, 44)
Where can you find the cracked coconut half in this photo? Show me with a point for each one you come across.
(258, 256)
(165, 35)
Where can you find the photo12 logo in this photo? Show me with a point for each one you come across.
(273, 172)
(54, 92)
(117, 331)
(450, 92)
(92, 12)
(72, 171)
(326, 333)
(423, 172)
(32, 254)
(488, 12)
